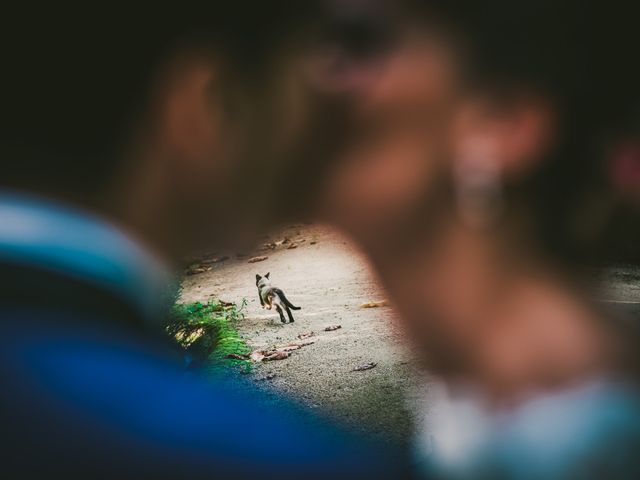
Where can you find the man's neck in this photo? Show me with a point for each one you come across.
(511, 323)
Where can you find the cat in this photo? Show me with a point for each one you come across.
(271, 296)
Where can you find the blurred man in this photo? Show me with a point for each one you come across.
(128, 140)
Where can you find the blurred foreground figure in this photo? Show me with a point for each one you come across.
(485, 177)
(128, 139)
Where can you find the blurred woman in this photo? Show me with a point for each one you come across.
(497, 157)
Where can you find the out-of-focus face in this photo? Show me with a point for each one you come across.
(243, 155)
(419, 186)
(401, 141)
(397, 169)
(364, 144)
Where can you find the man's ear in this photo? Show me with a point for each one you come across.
(513, 133)
(267, 275)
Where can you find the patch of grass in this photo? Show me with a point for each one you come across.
(208, 333)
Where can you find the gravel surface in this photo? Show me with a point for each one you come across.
(326, 276)
(330, 280)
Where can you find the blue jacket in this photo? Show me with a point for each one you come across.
(89, 390)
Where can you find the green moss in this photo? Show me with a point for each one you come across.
(208, 332)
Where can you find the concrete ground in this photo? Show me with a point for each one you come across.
(330, 280)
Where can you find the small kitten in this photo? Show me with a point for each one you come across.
(272, 296)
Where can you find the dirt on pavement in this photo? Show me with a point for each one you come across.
(329, 279)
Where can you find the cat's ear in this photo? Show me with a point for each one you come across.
(258, 277)
(267, 275)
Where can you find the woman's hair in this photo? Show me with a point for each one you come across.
(582, 55)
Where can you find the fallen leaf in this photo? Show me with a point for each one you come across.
(226, 304)
(331, 328)
(286, 240)
(292, 246)
(365, 366)
(313, 242)
(235, 356)
(264, 355)
(197, 269)
(296, 345)
(290, 348)
(209, 261)
(257, 259)
(382, 303)
(278, 355)
(306, 335)
(257, 356)
(279, 352)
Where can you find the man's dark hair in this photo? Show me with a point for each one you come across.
(74, 79)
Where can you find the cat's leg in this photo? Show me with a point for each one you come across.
(282, 319)
(291, 320)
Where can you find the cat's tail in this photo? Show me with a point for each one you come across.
(285, 299)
